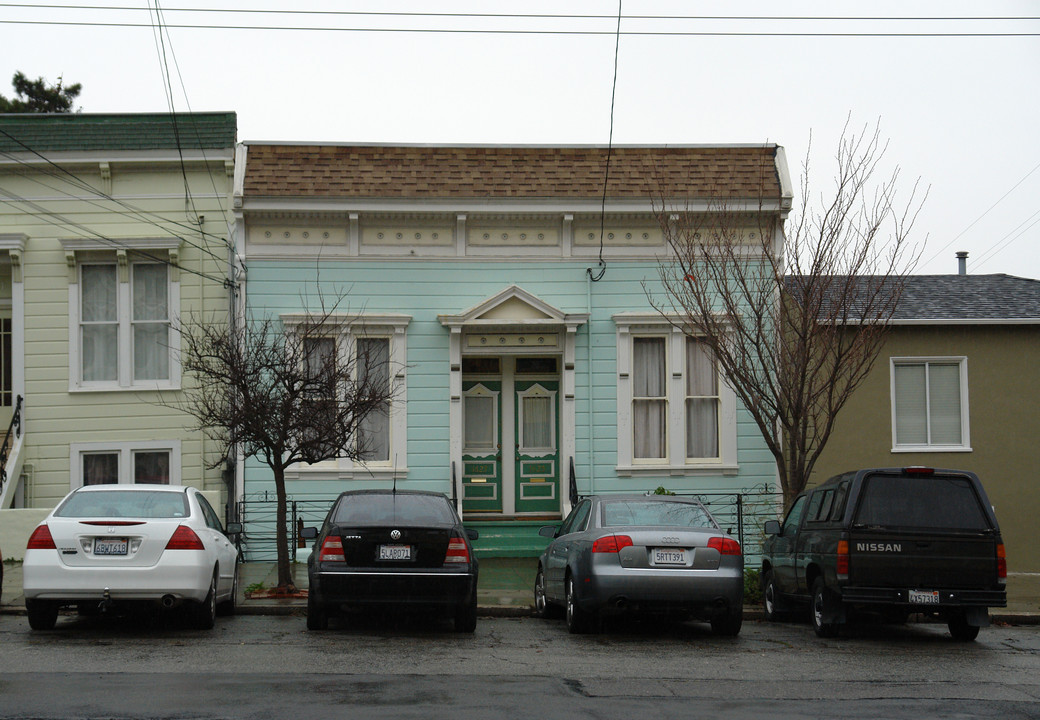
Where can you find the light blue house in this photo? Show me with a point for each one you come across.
(504, 290)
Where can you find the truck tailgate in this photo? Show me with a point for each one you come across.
(901, 560)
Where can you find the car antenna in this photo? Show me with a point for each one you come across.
(395, 474)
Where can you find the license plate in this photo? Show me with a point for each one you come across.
(669, 556)
(924, 597)
(106, 546)
(395, 552)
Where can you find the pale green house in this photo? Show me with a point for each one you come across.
(112, 229)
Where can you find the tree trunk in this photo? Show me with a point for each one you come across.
(286, 584)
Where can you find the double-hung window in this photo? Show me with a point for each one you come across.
(127, 463)
(674, 411)
(374, 347)
(121, 304)
(930, 404)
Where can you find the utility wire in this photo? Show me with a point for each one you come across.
(596, 277)
(476, 31)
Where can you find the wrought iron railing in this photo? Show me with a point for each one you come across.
(14, 431)
(258, 514)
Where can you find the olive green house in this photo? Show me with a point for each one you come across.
(112, 229)
(957, 385)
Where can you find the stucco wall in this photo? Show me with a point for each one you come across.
(1004, 416)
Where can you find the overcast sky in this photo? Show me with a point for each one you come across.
(956, 92)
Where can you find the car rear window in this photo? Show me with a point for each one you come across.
(393, 509)
(651, 512)
(124, 504)
(920, 502)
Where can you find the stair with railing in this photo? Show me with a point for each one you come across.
(11, 457)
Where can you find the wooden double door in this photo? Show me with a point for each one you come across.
(511, 436)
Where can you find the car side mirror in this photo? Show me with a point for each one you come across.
(548, 531)
(472, 534)
(772, 527)
(309, 533)
(233, 529)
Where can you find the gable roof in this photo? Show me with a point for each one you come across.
(527, 172)
(78, 132)
(969, 298)
(962, 299)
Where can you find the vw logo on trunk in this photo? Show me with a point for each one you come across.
(395, 534)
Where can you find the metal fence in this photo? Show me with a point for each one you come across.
(743, 514)
(258, 514)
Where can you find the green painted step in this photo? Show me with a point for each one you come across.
(509, 538)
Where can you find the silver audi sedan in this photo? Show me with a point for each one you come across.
(645, 554)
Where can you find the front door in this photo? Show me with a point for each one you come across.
(511, 436)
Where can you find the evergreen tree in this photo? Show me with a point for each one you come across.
(36, 96)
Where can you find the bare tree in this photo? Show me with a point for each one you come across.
(285, 396)
(795, 316)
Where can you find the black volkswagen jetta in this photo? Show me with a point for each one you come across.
(392, 548)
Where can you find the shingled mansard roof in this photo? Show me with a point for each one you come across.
(966, 299)
(523, 173)
(76, 132)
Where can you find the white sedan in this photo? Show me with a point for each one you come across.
(106, 546)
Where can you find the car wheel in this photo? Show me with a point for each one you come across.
(819, 599)
(466, 617)
(961, 630)
(228, 607)
(770, 599)
(42, 614)
(578, 620)
(729, 622)
(317, 617)
(205, 613)
(542, 607)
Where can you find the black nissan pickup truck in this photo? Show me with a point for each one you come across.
(890, 542)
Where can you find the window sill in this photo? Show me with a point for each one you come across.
(932, 449)
(155, 387)
(357, 473)
(677, 470)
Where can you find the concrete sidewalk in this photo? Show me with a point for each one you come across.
(505, 588)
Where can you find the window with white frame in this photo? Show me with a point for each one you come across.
(121, 305)
(128, 463)
(675, 412)
(930, 404)
(375, 346)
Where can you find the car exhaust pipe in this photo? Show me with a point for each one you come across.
(168, 601)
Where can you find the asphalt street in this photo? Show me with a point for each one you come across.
(264, 667)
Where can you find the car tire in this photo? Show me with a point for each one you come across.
(229, 607)
(42, 614)
(728, 623)
(317, 616)
(771, 599)
(542, 607)
(466, 617)
(819, 601)
(578, 620)
(204, 614)
(961, 630)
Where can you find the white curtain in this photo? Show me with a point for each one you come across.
(373, 369)
(151, 316)
(649, 406)
(944, 402)
(479, 422)
(702, 402)
(99, 327)
(537, 422)
(911, 405)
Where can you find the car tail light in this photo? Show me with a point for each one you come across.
(842, 565)
(1001, 563)
(611, 543)
(41, 539)
(919, 471)
(458, 552)
(725, 545)
(332, 550)
(184, 538)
